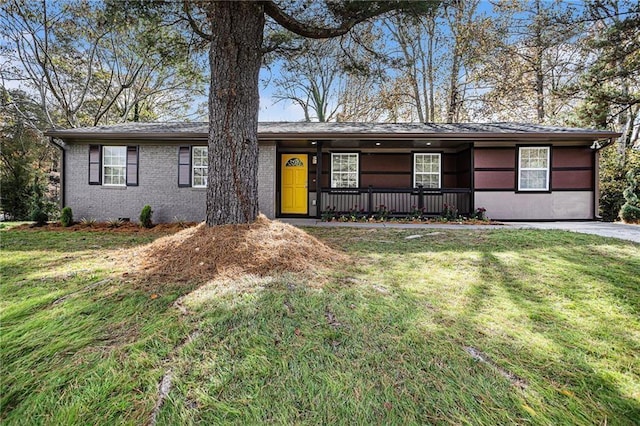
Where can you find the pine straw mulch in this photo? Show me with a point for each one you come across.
(125, 227)
(204, 253)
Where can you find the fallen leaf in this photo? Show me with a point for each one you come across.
(388, 405)
(566, 392)
(154, 296)
(297, 332)
(529, 409)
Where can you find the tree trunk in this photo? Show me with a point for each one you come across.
(235, 59)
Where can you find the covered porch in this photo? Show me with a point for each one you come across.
(373, 177)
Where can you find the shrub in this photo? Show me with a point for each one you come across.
(613, 180)
(450, 212)
(66, 217)
(630, 211)
(145, 216)
(39, 216)
(329, 214)
(382, 214)
(88, 221)
(630, 214)
(480, 213)
(114, 223)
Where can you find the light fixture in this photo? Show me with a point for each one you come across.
(378, 144)
(428, 143)
(313, 142)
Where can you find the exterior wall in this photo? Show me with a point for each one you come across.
(572, 185)
(267, 179)
(565, 205)
(395, 169)
(157, 186)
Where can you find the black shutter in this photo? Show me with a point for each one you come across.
(184, 166)
(132, 166)
(95, 165)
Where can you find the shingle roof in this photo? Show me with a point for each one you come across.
(291, 130)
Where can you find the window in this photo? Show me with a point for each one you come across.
(533, 168)
(344, 170)
(426, 170)
(114, 165)
(200, 168)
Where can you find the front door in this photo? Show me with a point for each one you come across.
(293, 179)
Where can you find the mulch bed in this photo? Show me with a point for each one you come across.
(203, 253)
(126, 227)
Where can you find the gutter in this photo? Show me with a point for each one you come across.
(63, 167)
(542, 137)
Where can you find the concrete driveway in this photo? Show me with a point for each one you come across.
(604, 229)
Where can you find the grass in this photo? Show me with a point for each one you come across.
(462, 327)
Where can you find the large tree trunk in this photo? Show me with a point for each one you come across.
(235, 58)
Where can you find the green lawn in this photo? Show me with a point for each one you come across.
(462, 327)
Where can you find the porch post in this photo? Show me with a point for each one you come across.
(318, 179)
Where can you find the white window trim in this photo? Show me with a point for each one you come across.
(193, 167)
(105, 166)
(415, 173)
(546, 169)
(357, 172)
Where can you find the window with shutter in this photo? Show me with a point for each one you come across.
(132, 166)
(184, 166)
(95, 166)
(114, 165)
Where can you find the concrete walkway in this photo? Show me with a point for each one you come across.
(604, 229)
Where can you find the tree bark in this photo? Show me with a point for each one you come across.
(235, 59)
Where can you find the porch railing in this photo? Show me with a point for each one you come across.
(398, 201)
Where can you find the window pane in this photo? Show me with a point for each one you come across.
(114, 161)
(200, 161)
(533, 179)
(427, 170)
(534, 167)
(344, 170)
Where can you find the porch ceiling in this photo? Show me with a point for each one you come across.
(378, 144)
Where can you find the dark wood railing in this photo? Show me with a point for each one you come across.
(398, 201)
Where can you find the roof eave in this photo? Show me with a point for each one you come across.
(547, 136)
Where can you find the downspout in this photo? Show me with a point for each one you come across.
(63, 167)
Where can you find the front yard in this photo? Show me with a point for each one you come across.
(462, 327)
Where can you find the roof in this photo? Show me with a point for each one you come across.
(339, 130)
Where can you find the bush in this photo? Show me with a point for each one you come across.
(630, 211)
(39, 216)
(613, 180)
(630, 214)
(66, 217)
(145, 216)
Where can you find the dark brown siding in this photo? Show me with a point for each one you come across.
(381, 180)
(576, 179)
(572, 157)
(494, 168)
(394, 170)
(571, 168)
(463, 168)
(381, 163)
(495, 180)
(494, 158)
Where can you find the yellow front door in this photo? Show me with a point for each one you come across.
(294, 184)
